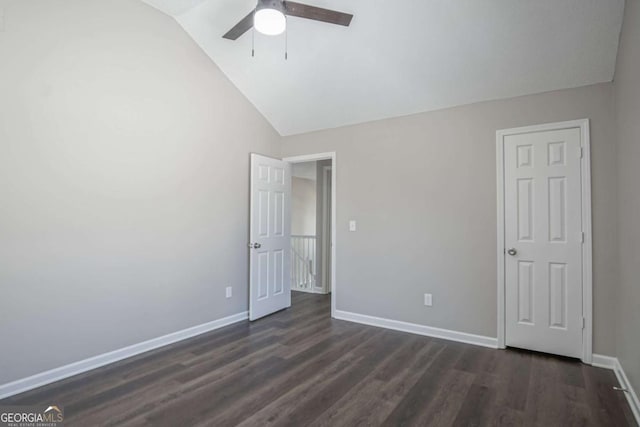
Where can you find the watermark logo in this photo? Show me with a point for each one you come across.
(31, 416)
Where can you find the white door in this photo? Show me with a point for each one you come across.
(543, 241)
(270, 236)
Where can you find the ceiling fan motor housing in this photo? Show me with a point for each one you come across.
(276, 12)
(271, 4)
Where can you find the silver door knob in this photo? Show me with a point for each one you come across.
(512, 251)
(255, 245)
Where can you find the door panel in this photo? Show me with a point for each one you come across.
(558, 295)
(269, 288)
(543, 278)
(525, 210)
(525, 292)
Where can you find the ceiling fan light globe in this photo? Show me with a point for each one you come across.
(270, 22)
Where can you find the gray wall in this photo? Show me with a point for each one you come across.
(423, 190)
(303, 206)
(124, 156)
(627, 96)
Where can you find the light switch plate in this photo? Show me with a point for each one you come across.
(352, 225)
(428, 300)
(228, 292)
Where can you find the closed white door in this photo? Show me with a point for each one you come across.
(543, 241)
(270, 236)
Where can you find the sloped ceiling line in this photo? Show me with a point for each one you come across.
(400, 58)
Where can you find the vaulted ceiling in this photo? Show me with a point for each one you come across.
(406, 56)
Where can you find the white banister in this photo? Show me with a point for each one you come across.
(303, 263)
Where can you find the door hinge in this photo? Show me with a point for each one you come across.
(582, 237)
(584, 322)
(580, 152)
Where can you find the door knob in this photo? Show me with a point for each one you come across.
(512, 251)
(255, 245)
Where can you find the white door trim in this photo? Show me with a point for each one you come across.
(334, 169)
(326, 194)
(587, 272)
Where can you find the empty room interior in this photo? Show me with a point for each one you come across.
(328, 213)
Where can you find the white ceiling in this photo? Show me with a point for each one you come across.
(407, 56)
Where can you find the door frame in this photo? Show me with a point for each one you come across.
(326, 231)
(587, 255)
(334, 168)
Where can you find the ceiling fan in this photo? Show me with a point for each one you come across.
(269, 17)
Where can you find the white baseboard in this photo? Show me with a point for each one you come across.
(613, 363)
(57, 374)
(309, 291)
(415, 328)
(602, 361)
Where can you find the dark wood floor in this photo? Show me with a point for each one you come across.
(299, 367)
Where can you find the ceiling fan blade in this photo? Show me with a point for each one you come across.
(317, 13)
(240, 28)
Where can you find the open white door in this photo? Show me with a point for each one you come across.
(270, 236)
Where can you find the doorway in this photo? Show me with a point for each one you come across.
(312, 224)
(275, 257)
(544, 239)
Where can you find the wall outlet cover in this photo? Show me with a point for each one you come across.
(228, 291)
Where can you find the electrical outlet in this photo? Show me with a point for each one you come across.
(428, 300)
(228, 292)
(352, 225)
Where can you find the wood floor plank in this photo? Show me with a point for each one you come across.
(371, 401)
(606, 406)
(518, 377)
(149, 400)
(476, 407)
(543, 403)
(299, 367)
(294, 387)
(411, 407)
(311, 398)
